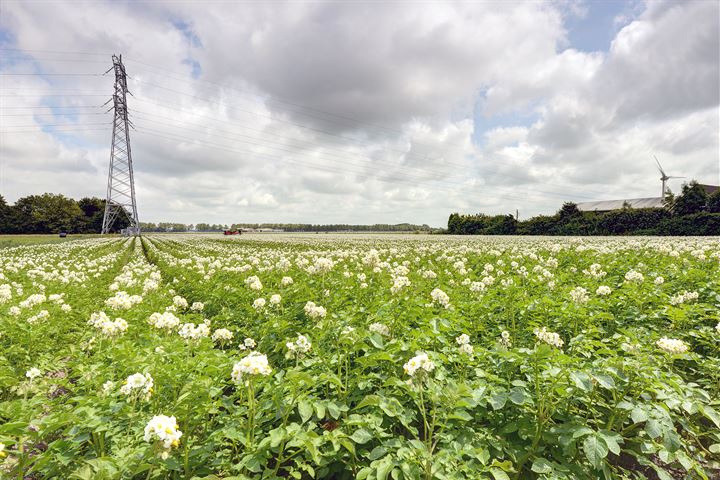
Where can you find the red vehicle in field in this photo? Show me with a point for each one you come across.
(231, 232)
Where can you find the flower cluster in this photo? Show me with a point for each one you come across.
(418, 365)
(222, 335)
(684, 297)
(551, 338)
(254, 364)
(579, 295)
(191, 332)
(299, 347)
(440, 297)
(464, 342)
(123, 301)
(254, 283)
(505, 339)
(314, 311)
(672, 345)
(634, 276)
(248, 344)
(380, 328)
(164, 321)
(603, 290)
(163, 430)
(138, 386)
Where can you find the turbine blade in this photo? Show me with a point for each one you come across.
(662, 172)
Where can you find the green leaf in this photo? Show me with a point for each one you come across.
(499, 474)
(498, 400)
(605, 381)
(595, 450)
(361, 436)
(518, 395)
(638, 415)
(383, 470)
(582, 380)
(540, 465)
(305, 410)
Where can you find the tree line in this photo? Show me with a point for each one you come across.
(54, 213)
(692, 212)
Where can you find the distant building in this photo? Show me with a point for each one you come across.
(650, 202)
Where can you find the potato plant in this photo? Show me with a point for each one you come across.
(387, 357)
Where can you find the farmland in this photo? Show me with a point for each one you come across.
(368, 357)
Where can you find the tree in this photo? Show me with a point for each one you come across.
(5, 212)
(713, 202)
(93, 209)
(48, 213)
(568, 211)
(692, 199)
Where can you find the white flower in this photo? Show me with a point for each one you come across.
(634, 276)
(603, 290)
(123, 301)
(684, 297)
(179, 302)
(440, 298)
(672, 345)
(275, 299)
(248, 343)
(314, 311)
(717, 327)
(108, 387)
(254, 364)
(222, 335)
(399, 283)
(192, 332)
(259, 303)
(286, 281)
(551, 338)
(33, 373)
(659, 280)
(419, 362)
(463, 339)
(197, 307)
(165, 432)
(379, 328)
(139, 385)
(300, 346)
(164, 321)
(466, 348)
(65, 307)
(579, 295)
(254, 283)
(505, 339)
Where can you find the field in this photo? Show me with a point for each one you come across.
(360, 357)
(19, 240)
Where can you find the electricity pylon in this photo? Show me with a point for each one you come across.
(120, 199)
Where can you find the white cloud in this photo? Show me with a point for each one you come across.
(345, 112)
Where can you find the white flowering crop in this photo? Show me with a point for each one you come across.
(138, 386)
(420, 363)
(254, 364)
(551, 338)
(163, 431)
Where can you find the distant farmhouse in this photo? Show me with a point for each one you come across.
(651, 202)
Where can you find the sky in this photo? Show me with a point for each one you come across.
(361, 111)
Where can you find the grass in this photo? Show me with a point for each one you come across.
(7, 241)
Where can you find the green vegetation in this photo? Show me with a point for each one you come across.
(54, 213)
(693, 212)
(19, 240)
(186, 357)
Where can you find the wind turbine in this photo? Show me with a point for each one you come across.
(664, 177)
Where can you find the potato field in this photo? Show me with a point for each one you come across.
(360, 357)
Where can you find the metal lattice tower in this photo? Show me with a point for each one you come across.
(120, 199)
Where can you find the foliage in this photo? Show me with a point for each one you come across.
(556, 377)
(692, 199)
(54, 213)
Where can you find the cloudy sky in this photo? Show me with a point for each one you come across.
(361, 111)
